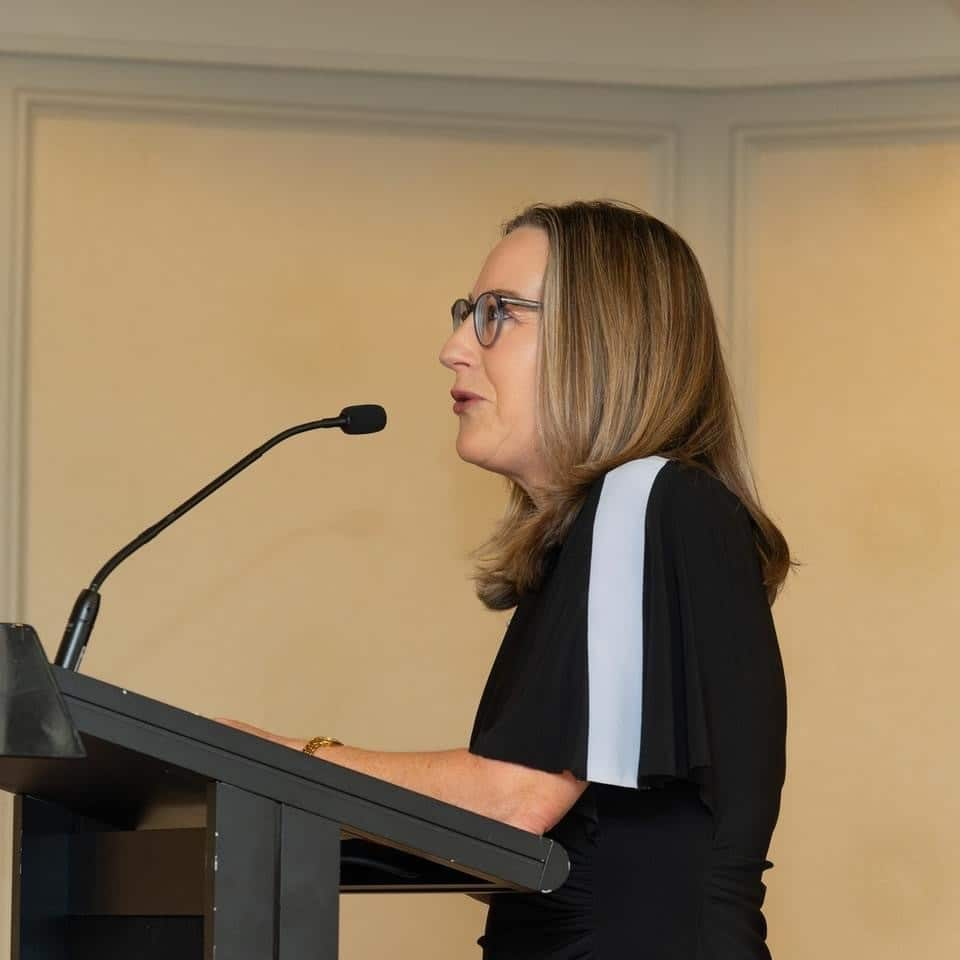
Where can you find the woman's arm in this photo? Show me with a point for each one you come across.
(522, 797)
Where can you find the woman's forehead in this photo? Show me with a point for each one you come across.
(515, 266)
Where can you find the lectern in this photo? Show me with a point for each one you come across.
(145, 831)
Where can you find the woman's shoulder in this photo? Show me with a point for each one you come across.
(674, 492)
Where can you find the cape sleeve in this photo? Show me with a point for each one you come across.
(648, 655)
(713, 685)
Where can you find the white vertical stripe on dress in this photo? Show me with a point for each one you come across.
(615, 623)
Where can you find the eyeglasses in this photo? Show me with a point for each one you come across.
(488, 313)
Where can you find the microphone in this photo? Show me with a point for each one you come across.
(362, 418)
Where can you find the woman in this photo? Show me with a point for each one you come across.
(636, 709)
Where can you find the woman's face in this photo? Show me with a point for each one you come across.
(498, 428)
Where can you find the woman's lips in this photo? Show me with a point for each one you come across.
(462, 399)
(460, 405)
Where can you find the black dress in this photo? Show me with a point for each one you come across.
(646, 663)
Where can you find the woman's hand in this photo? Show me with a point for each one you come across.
(294, 743)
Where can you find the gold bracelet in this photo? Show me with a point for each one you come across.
(316, 742)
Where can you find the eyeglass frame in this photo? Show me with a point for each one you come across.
(499, 299)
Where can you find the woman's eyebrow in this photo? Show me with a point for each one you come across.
(503, 291)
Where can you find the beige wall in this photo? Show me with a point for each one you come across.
(202, 257)
(195, 287)
(856, 337)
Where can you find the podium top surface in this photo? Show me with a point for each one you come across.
(141, 752)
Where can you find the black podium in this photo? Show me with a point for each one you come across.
(145, 831)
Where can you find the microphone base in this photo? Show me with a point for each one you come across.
(79, 626)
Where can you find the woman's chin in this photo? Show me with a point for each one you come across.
(472, 452)
(467, 453)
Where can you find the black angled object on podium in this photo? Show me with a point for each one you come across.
(146, 831)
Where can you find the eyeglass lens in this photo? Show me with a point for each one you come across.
(486, 318)
(487, 313)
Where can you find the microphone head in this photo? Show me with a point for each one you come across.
(363, 418)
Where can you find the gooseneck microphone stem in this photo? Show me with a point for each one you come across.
(364, 418)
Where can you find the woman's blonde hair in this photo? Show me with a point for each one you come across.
(629, 365)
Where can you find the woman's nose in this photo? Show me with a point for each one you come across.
(458, 348)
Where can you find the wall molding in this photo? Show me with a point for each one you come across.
(13, 328)
(701, 148)
(29, 103)
(747, 143)
(689, 78)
